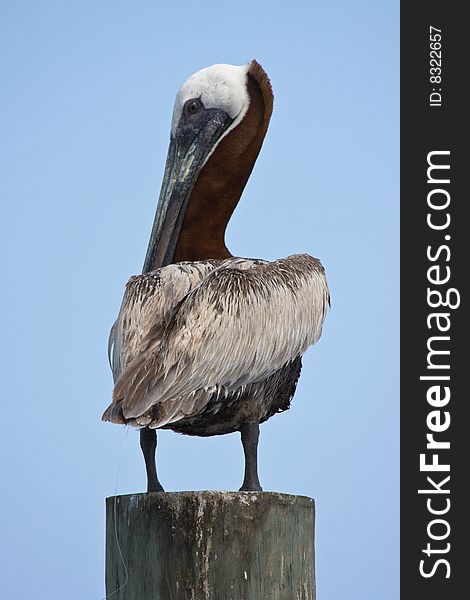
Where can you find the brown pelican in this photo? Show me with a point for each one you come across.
(206, 343)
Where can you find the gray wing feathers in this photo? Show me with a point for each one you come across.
(241, 322)
(148, 303)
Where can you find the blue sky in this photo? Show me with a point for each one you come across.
(87, 95)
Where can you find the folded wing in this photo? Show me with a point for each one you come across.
(149, 302)
(228, 326)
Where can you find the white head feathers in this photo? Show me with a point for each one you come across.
(219, 86)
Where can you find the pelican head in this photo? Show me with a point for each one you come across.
(209, 105)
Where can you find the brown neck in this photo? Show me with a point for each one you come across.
(224, 176)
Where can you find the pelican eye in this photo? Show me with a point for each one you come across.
(193, 107)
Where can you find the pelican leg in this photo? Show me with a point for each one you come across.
(250, 437)
(148, 443)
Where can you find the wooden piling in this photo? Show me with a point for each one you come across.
(210, 546)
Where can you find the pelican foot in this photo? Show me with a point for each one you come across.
(154, 486)
(251, 487)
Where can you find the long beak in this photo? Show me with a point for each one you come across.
(187, 154)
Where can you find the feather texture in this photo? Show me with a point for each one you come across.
(191, 333)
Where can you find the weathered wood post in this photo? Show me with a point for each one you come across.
(210, 546)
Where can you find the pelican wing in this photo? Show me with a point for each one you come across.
(148, 304)
(241, 323)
